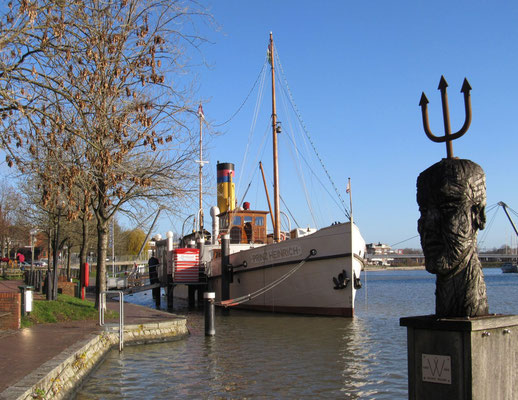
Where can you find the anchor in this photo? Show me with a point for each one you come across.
(342, 281)
(448, 136)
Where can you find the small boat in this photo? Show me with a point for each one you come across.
(509, 268)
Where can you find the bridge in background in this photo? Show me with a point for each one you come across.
(392, 258)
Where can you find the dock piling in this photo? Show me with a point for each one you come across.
(209, 297)
(225, 273)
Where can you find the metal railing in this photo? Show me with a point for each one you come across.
(102, 307)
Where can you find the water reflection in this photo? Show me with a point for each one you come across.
(252, 355)
(260, 355)
(354, 353)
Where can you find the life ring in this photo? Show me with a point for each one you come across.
(283, 236)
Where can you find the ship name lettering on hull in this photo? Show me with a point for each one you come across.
(277, 254)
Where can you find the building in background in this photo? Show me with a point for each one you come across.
(381, 250)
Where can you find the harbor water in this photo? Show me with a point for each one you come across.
(266, 356)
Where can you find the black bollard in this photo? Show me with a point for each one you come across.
(209, 297)
(170, 293)
(156, 297)
(225, 261)
(191, 292)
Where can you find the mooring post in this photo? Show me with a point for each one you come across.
(209, 297)
(191, 291)
(225, 261)
(170, 294)
(156, 295)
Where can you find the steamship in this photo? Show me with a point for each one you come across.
(305, 271)
(308, 271)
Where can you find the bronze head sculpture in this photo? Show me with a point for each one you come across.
(451, 195)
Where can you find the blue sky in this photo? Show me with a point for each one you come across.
(356, 71)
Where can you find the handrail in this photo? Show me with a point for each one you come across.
(289, 221)
(102, 307)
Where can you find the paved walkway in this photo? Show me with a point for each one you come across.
(10, 286)
(25, 350)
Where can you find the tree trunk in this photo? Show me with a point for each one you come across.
(83, 253)
(49, 277)
(55, 256)
(102, 246)
(69, 272)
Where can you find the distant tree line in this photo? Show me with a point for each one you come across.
(18, 218)
(504, 249)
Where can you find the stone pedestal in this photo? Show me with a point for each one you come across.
(462, 358)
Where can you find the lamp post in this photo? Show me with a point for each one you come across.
(55, 254)
(33, 233)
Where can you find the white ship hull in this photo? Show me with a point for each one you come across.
(311, 289)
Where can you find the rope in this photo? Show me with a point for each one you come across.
(489, 225)
(270, 286)
(248, 187)
(296, 157)
(260, 151)
(289, 211)
(246, 99)
(304, 129)
(403, 241)
(285, 205)
(316, 176)
(254, 121)
(495, 208)
(510, 209)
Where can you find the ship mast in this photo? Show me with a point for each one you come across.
(275, 129)
(200, 173)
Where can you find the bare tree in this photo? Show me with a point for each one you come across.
(95, 97)
(13, 224)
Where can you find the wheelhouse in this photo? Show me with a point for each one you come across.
(244, 226)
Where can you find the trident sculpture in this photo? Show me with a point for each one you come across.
(451, 195)
(448, 136)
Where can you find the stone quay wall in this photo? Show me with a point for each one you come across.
(60, 377)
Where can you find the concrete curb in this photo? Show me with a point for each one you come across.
(59, 377)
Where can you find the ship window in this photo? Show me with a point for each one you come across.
(235, 235)
(249, 232)
(223, 221)
(236, 221)
(248, 219)
(259, 221)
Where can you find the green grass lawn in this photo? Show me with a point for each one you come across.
(11, 276)
(65, 308)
